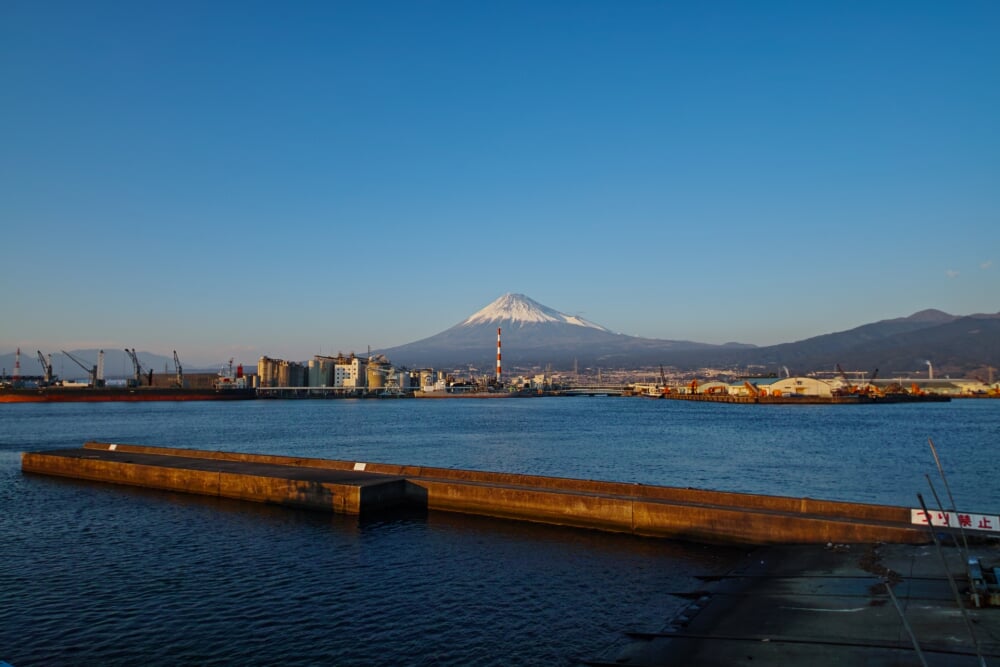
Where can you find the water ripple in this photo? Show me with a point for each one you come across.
(93, 574)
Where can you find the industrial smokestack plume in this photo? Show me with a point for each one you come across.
(498, 355)
(930, 370)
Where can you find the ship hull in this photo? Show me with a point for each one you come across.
(116, 394)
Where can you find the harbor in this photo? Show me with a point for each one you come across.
(244, 581)
(816, 588)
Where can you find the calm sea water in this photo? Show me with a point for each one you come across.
(95, 574)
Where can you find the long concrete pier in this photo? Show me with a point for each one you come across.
(357, 487)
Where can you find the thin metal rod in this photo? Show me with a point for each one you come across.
(906, 624)
(931, 484)
(951, 580)
(963, 555)
(951, 498)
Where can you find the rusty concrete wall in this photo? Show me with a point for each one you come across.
(734, 524)
(328, 497)
(731, 524)
(748, 501)
(705, 516)
(119, 472)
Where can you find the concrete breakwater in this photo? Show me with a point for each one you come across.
(353, 487)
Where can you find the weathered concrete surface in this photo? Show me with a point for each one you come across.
(343, 491)
(355, 487)
(816, 606)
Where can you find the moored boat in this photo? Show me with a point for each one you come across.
(57, 394)
(230, 385)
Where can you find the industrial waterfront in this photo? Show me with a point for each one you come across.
(375, 376)
(109, 574)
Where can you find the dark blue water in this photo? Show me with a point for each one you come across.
(98, 574)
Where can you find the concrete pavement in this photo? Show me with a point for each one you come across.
(819, 606)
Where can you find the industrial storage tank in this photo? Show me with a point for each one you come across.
(376, 376)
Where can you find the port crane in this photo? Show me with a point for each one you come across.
(47, 377)
(137, 381)
(391, 375)
(95, 374)
(869, 384)
(663, 389)
(848, 387)
(178, 370)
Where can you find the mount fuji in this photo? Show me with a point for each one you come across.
(537, 336)
(533, 335)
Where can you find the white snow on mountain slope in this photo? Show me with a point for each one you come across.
(521, 309)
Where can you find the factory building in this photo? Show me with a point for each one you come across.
(280, 373)
(321, 370)
(267, 372)
(351, 373)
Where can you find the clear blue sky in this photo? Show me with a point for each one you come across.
(246, 178)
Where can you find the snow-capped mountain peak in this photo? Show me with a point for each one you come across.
(518, 308)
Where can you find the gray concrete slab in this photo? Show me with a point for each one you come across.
(827, 606)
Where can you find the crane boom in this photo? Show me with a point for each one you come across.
(178, 370)
(46, 368)
(136, 366)
(91, 372)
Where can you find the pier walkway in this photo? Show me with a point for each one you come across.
(353, 487)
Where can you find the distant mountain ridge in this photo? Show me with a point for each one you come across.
(952, 343)
(533, 335)
(536, 336)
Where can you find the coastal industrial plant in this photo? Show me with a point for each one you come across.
(459, 362)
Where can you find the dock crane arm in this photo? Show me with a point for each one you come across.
(91, 372)
(869, 385)
(178, 370)
(848, 387)
(138, 368)
(46, 368)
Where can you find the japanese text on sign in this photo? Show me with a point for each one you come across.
(964, 520)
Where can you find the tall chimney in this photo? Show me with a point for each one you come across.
(498, 355)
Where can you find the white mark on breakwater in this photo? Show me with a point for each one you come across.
(838, 611)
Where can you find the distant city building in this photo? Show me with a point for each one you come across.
(352, 373)
(280, 373)
(321, 371)
(267, 372)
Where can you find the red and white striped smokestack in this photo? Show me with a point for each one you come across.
(17, 365)
(498, 355)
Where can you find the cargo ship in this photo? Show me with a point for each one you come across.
(57, 394)
(230, 385)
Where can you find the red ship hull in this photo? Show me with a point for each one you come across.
(116, 394)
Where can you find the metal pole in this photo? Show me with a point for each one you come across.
(951, 581)
(964, 555)
(909, 630)
(951, 499)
